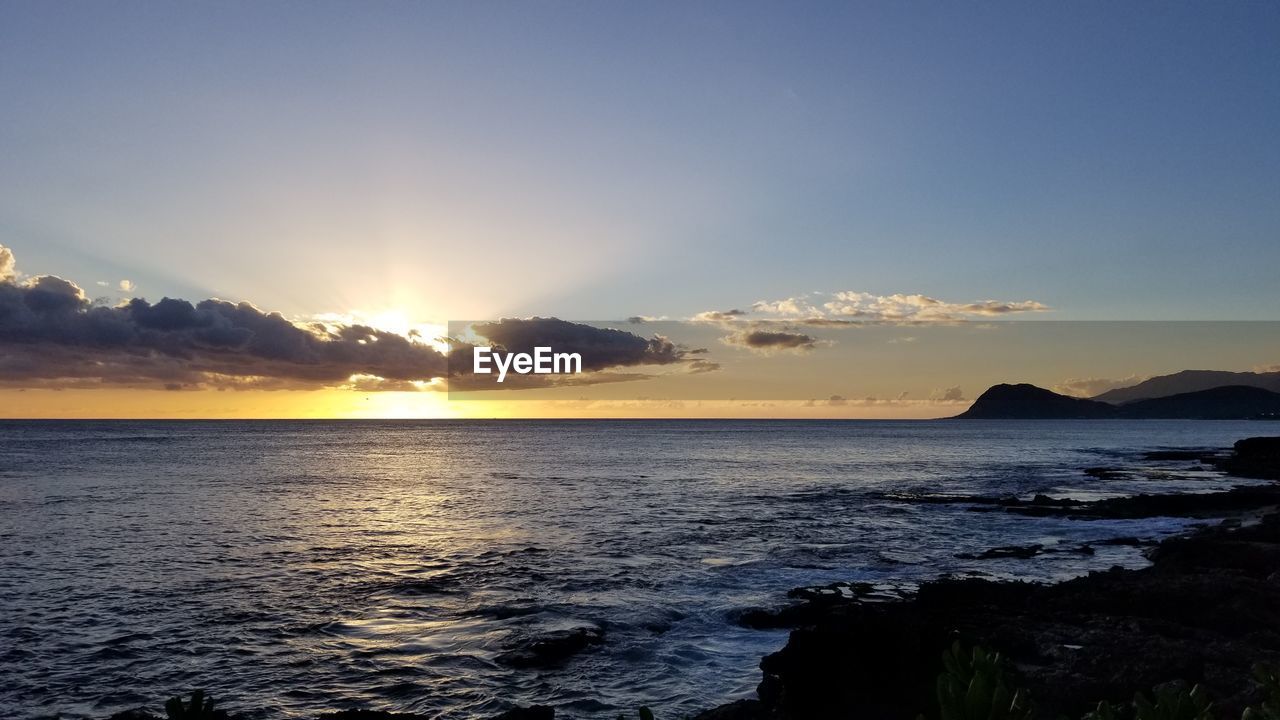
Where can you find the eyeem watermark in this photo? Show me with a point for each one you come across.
(542, 362)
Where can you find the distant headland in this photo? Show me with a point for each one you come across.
(1191, 394)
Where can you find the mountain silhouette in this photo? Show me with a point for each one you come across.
(1189, 381)
(1027, 402)
(1024, 401)
(1232, 402)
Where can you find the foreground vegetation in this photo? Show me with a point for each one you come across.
(975, 684)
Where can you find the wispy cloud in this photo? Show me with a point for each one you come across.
(855, 306)
(948, 395)
(719, 315)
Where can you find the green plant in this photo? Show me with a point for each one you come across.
(972, 686)
(1269, 679)
(1173, 703)
(200, 708)
(1104, 711)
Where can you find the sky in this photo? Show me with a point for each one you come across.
(407, 164)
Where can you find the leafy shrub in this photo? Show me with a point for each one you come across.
(1173, 703)
(1269, 679)
(972, 686)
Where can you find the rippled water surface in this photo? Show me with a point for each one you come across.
(294, 567)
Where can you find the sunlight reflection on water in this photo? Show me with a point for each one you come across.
(294, 567)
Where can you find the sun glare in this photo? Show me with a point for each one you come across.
(393, 321)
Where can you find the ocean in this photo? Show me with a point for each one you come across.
(296, 567)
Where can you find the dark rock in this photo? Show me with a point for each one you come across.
(1012, 551)
(816, 602)
(1176, 454)
(740, 710)
(1256, 457)
(135, 714)
(1204, 612)
(1240, 499)
(552, 648)
(1127, 541)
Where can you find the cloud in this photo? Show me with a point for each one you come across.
(850, 304)
(1266, 368)
(8, 268)
(1090, 387)
(948, 395)
(51, 335)
(868, 401)
(771, 340)
(127, 286)
(603, 351)
(719, 315)
(791, 307)
(600, 347)
(703, 366)
(853, 306)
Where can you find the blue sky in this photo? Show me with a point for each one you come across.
(596, 160)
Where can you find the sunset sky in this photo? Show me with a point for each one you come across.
(395, 166)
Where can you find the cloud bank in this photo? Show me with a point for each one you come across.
(603, 352)
(854, 306)
(53, 335)
(600, 347)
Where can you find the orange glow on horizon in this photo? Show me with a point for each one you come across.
(335, 404)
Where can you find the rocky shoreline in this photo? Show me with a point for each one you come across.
(1205, 611)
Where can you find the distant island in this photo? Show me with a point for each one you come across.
(1191, 394)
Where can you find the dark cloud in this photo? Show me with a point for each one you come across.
(771, 340)
(600, 347)
(52, 335)
(603, 351)
(50, 331)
